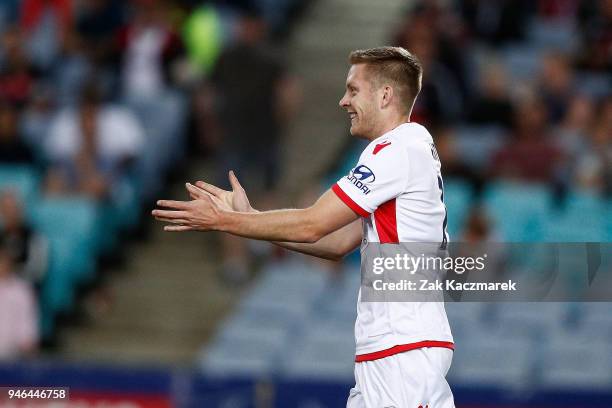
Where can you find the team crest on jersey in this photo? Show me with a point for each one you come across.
(360, 176)
(381, 146)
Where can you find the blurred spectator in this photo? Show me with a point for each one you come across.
(251, 97)
(573, 131)
(149, 46)
(16, 74)
(91, 147)
(557, 81)
(492, 104)
(594, 164)
(202, 34)
(9, 10)
(531, 155)
(12, 148)
(559, 10)
(595, 20)
(44, 24)
(36, 118)
(18, 312)
(496, 22)
(478, 227)
(441, 97)
(98, 23)
(28, 249)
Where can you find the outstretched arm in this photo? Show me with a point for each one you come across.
(333, 246)
(309, 225)
(330, 229)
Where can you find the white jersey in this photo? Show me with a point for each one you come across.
(397, 188)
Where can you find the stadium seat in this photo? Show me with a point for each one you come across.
(479, 360)
(595, 85)
(518, 210)
(477, 144)
(244, 350)
(326, 350)
(552, 35)
(24, 180)
(458, 200)
(578, 361)
(76, 219)
(570, 223)
(537, 318)
(522, 62)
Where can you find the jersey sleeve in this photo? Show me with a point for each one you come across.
(376, 179)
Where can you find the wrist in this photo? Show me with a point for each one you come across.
(224, 221)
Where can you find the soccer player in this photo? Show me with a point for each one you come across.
(394, 194)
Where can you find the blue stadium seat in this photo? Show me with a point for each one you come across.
(551, 35)
(244, 350)
(501, 358)
(577, 361)
(538, 318)
(595, 85)
(477, 144)
(582, 219)
(73, 229)
(23, 179)
(76, 219)
(518, 210)
(458, 200)
(325, 351)
(522, 62)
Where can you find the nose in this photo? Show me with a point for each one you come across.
(344, 101)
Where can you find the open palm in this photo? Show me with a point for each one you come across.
(235, 200)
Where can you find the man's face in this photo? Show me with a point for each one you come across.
(360, 101)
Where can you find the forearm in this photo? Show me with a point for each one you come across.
(291, 225)
(333, 246)
(327, 247)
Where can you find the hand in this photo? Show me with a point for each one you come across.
(201, 214)
(236, 199)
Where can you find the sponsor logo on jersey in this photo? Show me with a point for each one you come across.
(381, 146)
(360, 176)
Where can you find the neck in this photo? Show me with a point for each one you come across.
(389, 125)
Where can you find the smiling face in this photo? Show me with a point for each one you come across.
(361, 102)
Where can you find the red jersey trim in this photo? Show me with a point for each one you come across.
(402, 348)
(349, 201)
(386, 222)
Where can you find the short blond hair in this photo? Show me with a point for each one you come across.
(396, 65)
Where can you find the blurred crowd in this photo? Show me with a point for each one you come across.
(100, 102)
(103, 99)
(517, 89)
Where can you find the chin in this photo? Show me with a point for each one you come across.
(358, 133)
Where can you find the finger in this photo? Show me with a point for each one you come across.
(234, 181)
(178, 228)
(214, 190)
(169, 214)
(180, 221)
(196, 192)
(178, 205)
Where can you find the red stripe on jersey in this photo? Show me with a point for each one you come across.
(386, 222)
(349, 201)
(402, 348)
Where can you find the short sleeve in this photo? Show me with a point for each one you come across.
(380, 176)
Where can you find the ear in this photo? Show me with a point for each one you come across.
(387, 97)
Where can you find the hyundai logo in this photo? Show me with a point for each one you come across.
(364, 174)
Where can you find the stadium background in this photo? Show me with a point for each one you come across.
(106, 105)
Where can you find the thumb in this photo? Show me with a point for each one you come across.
(234, 181)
